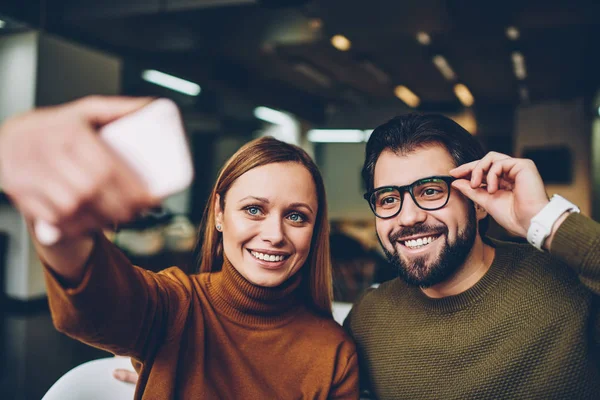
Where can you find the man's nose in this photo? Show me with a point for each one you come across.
(410, 214)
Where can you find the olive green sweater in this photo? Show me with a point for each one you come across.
(206, 336)
(530, 328)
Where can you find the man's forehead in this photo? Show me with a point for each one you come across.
(402, 168)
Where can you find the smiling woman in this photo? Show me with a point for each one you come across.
(256, 321)
(269, 199)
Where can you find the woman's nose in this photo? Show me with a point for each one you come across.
(272, 230)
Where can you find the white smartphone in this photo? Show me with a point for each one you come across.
(152, 142)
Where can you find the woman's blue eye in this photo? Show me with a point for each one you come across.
(296, 217)
(253, 210)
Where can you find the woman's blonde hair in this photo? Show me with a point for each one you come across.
(317, 280)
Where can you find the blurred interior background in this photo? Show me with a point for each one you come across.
(523, 76)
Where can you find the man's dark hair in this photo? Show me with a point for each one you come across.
(407, 133)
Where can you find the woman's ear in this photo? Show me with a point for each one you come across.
(218, 213)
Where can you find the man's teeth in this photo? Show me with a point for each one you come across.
(420, 242)
(267, 257)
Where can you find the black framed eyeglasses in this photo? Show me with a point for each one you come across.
(431, 193)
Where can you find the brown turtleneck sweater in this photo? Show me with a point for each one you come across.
(206, 336)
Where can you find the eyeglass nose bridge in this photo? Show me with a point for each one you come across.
(402, 192)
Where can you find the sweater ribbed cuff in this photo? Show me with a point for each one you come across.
(574, 242)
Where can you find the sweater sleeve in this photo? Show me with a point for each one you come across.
(577, 242)
(119, 307)
(345, 383)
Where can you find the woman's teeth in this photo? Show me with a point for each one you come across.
(267, 257)
(420, 242)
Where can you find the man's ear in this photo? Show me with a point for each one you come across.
(218, 212)
(480, 212)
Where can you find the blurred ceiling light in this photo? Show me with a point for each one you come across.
(336, 135)
(284, 126)
(424, 38)
(464, 95)
(466, 119)
(313, 74)
(171, 82)
(272, 116)
(519, 65)
(445, 69)
(524, 94)
(377, 72)
(512, 33)
(407, 96)
(598, 111)
(315, 23)
(341, 42)
(2, 24)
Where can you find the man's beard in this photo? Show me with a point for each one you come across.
(417, 272)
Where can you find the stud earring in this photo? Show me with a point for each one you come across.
(219, 228)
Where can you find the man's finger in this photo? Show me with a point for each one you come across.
(125, 375)
(478, 195)
(502, 169)
(479, 173)
(462, 170)
(489, 158)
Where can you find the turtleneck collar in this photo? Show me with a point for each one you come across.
(247, 303)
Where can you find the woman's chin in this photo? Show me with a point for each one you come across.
(266, 274)
(265, 281)
(268, 278)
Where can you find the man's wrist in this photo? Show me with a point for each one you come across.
(548, 242)
(545, 223)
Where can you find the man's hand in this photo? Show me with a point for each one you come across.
(510, 189)
(125, 375)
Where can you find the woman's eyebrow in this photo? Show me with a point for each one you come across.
(261, 199)
(303, 205)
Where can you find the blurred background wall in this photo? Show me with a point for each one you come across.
(39, 69)
(321, 74)
(522, 76)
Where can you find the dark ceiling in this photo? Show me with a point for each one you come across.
(262, 49)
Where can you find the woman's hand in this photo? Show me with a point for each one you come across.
(55, 168)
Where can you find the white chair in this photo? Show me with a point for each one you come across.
(340, 311)
(93, 380)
